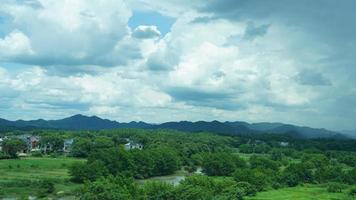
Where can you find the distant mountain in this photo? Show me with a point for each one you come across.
(349, 133)
(214, 126)
(76, 122)
(81, 122)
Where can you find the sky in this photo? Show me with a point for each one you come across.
(158, 61)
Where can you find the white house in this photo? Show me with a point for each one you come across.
(1, 140)
(67, 145)
(284, 144)
(133, 145)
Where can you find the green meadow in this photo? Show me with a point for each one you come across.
(306, 192)
(18, 177)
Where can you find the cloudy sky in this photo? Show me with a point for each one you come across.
(156, 61)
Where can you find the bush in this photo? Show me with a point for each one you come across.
(158, 191)
(335, 187)
(4, 156)
(36, 154)
(352, 192)
(45, 187)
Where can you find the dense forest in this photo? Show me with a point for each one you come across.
(217, 166)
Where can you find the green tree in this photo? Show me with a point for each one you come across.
(118, 188)
(81, 172)
(255, 177)
(81, 147)
(158, 191)
(13, 146)
(221, 164)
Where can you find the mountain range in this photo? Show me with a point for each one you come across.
(81, 122)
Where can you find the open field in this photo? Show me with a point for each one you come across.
(18, 177)
(306, 192)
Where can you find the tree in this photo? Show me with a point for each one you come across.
(158, 191)
(276, 155)
(81, 147)
(116, 160)
(144, 163)
(55, 141)
(221, 164)
(297, 173)
(103, 142)
(352, 192)
(255, 177)
(13, 146)
(119, 188)
(81, 172)
(263, 163)
(45, 187)
(166, 161)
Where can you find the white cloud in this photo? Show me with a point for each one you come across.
(71, 32)
(15, 45)
(146, 32)
(212, 65)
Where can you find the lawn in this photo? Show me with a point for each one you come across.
(18, 176)
(307, 192)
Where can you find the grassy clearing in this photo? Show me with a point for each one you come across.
(307, 192)
(17, 177)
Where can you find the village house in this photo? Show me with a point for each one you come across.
(1, 141)
(32, 143)
(283, 144)
(133, 145)
(67, 145)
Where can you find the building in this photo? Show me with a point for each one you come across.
(133, 145)
(283, 144)
(67, 145)
(1, 141)
(32, 142)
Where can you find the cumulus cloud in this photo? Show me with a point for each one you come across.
(15, 45)
(71, 32)
(230, 60)
(146, 32)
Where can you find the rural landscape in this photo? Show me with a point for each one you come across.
(177, 100)
(156, 163)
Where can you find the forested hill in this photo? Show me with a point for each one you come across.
(81, 122)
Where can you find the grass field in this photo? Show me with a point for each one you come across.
(18, 176)
(307, 192)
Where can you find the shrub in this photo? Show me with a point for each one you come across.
(335, 187)
(36, 154)
(45, 187)
(352, 192)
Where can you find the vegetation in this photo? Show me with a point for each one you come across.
(214, 166)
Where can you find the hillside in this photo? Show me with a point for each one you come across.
(81, 122)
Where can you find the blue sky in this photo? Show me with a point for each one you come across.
(157, 61)
(163, 23)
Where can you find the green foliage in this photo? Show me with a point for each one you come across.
(55, 141)
(221, 164)
(81, 147)
(297, 173)
(255, 177)
(12, 146)
(118, 188)
(352, 192)
(263, 163)
(45, 187)
(81, 172)
(158, 191)
(36, 154)
(335, 187)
